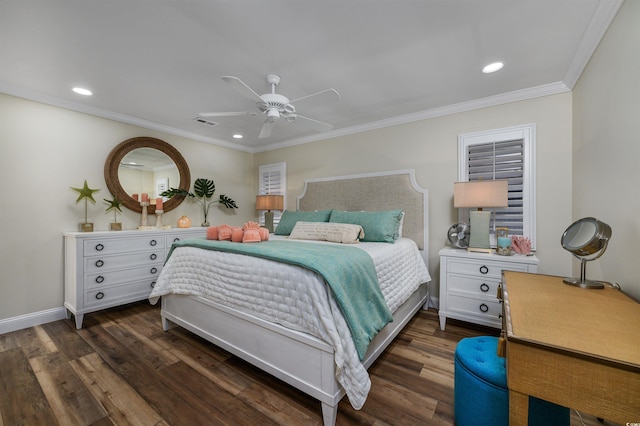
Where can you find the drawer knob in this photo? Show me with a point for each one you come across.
(153, 256)
(484, 269)
(99, 295)
(484, 308)
(176, 239)
(99, 263)
(99, 279)
(153, 284)
(153, 242)
(153, 270)
(484, 287)
(99, 247)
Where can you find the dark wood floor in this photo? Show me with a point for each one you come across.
(122, 369)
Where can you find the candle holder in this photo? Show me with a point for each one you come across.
(503, 241)
(143, 220)
(159, 224)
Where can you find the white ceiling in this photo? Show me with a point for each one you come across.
(158, 63)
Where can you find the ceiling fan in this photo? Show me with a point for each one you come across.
(274, 105)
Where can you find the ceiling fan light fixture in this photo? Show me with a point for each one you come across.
(493, 67)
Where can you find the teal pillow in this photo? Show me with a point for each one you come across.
(381, 226)
(289, 219)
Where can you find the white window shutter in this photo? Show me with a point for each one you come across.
(272, 179)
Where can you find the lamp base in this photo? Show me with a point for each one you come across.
(479, 236)
(585, 283)
(268, 221)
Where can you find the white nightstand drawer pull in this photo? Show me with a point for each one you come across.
(99, 279)
(99, 295)
(99, 247)
(176, 239)
(153, 242)
(484, 270)
(153, 256)
(484, 287)
(153, 284)
(484, 308)
(99, 263)
(153, 270)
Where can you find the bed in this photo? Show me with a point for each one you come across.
(314, 354)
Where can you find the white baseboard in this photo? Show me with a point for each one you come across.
(29, 320)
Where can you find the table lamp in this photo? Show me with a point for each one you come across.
(269, 202)
(480, 194)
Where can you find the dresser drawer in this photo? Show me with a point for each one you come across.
(475, 307)
(122, 245)
(109, 278)
(479, 286)
(482, 268)
(124, 293)
(122, 261)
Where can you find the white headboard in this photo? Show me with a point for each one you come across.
(374, 192)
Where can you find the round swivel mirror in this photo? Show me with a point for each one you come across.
(146, 165)
(583, 238)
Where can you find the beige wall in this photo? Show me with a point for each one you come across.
(43, 151)
(606, 148)
(430, 147)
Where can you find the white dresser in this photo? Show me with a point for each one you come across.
(111, 268)
(469, 284)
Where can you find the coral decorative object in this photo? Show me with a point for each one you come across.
(521, 245)
(250, 232)
(184, 222)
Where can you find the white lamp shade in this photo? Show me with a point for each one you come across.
(481, 194)
(269, 202)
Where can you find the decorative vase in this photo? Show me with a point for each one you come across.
(184, 222)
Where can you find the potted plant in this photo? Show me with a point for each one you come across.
(203, 190)
(86, 194)
(115, 206)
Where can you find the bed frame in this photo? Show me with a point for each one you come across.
(299, 359)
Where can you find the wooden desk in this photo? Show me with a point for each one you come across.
(579, 348)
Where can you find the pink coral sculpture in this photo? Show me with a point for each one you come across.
(520, 244)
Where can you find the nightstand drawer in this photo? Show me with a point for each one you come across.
(475, 307)
(482, 268)
(473, 285)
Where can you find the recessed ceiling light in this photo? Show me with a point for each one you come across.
(238, 136)
(496, 66)
(81, 91)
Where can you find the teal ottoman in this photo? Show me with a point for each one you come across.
(480, 395)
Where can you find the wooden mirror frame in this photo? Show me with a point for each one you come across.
(115, 157)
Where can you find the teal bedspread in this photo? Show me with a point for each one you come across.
(349, 272)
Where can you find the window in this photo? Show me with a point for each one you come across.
(272, 179)
(503, 154)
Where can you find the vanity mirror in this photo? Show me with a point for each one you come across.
(146, 165)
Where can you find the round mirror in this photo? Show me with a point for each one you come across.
(585, 237)
(146, 165)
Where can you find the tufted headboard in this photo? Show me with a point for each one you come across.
(373, 192)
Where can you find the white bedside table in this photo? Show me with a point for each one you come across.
(469, 284)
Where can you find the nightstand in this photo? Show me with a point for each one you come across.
(469, 284)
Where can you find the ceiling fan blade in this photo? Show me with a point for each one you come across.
(241, 87)
(316, 125)
(321, 97)
(225, 114)
(267, 128)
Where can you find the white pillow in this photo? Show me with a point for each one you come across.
(345, 233)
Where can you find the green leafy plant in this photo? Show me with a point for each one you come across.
(203, 190)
